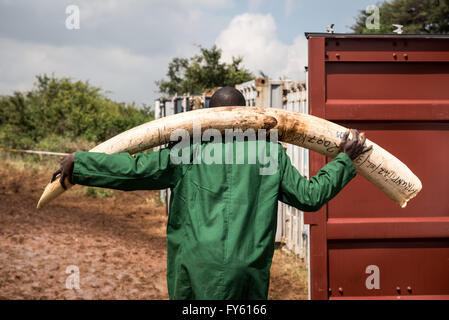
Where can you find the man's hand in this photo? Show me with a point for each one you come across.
(66, 170)
(355, 146)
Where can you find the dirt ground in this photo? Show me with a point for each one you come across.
(116, 241)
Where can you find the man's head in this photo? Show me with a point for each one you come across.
(226, 97)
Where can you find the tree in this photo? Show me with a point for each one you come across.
(194, 75)
(417, 17)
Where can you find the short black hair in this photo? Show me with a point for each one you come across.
(226, 97)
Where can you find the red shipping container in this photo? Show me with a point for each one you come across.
(396, 89)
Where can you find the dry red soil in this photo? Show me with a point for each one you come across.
(117, 243)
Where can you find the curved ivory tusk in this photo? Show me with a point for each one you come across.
(378, 166)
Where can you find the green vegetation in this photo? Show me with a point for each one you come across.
(63, 115)
(98, 192)
(417, 17)
(202, 71)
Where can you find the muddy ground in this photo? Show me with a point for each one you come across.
(116, 240)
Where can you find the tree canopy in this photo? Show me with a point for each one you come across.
(205, 70)
(417, 17)
(64, 109)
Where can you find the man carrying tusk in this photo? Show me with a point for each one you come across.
(222, 223)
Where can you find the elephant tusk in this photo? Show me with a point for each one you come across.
(378, 166)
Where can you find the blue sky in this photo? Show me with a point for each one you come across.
(125, 46)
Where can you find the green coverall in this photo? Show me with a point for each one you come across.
(222, 222)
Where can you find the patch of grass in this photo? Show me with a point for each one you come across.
(29, 162)
(57, 143)
(94, 192)
(289, 277)
(52, 143)
(156, 200)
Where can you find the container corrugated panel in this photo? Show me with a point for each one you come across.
(394, 88)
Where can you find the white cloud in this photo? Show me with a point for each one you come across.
(95, 12)
(253, 37)
(127, 75)
(122, 46)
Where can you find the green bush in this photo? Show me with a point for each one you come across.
(57, 111)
